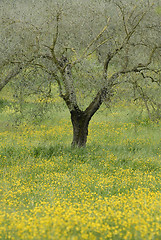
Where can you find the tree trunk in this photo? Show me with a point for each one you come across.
(80, 119)
(80, 123)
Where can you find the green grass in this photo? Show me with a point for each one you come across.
(109, 190)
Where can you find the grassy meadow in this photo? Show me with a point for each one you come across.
(110, 190)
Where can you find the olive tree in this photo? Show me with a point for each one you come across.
(63, 39)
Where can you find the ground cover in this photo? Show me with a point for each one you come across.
(110, 190)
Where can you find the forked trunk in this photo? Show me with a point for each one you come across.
(80, 123)
(80, 119)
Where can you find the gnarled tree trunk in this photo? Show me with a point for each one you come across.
(80, 119)
(80, 123)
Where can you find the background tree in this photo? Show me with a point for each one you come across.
(62, 40)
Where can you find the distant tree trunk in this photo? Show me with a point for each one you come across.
(80, 122)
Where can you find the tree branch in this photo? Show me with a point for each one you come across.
(55, 38)
(84, 54)
(102, 94)
(110, 55)
(123, 17)
(11, 75)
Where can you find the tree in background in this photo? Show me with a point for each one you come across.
(62, 39)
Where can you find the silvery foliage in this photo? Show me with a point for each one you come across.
(27, 29)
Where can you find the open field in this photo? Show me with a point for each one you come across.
(110, 190)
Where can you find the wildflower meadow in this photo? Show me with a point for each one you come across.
(80, 120)
(109, 190)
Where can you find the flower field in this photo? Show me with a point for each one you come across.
(110, 190)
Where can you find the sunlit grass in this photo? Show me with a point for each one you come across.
(110, 190)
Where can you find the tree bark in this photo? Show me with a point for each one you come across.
(80, 122)
(80, 119)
